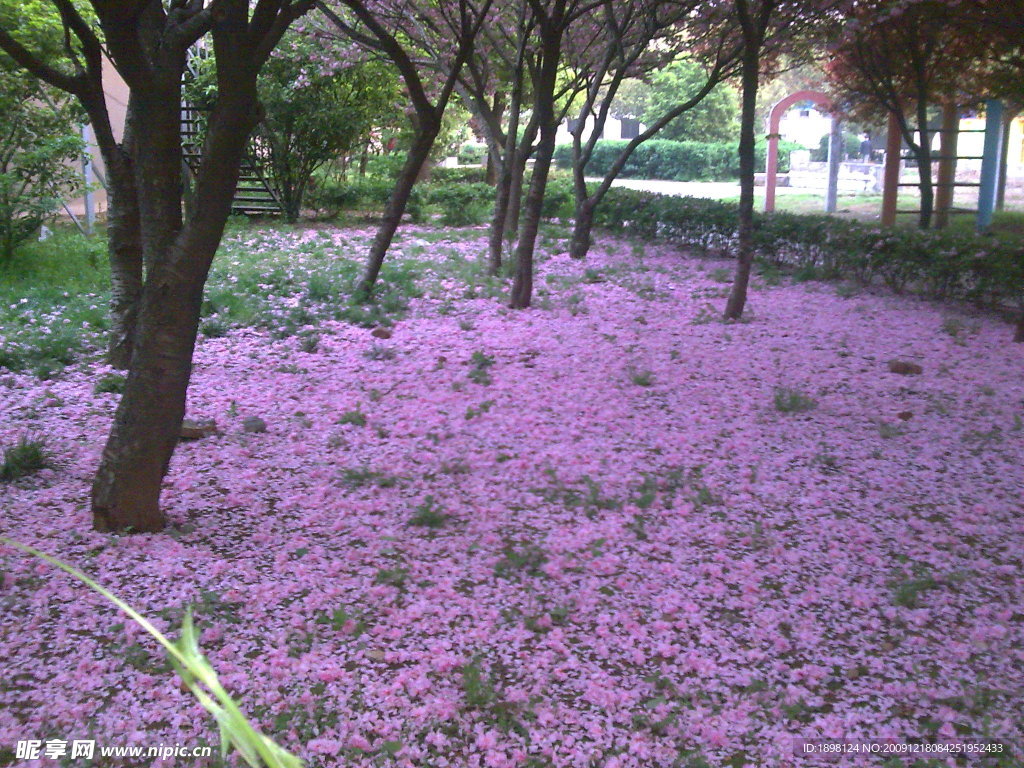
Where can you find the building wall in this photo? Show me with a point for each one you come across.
(116, 91)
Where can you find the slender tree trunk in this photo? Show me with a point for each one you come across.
(522, 286)
(394, 210)
(745, 257)
(1019, 335)
(924, 166)
(124, 251)
(503, 193)
(515, 194)
(364, 158)
(124, 234)
(492, 171)
(496, 236)
(124, 247)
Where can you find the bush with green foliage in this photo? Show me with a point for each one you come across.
(559, 198)
(673, 160)
(462, 204)
(851, 148)
(472, 154)
(39, 144)
(938, 264)
(447, 175)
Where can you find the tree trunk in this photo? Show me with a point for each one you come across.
(1019, 335)
(515, 194)
(522, 286)
(1004, 154)
(581, 231)
(124, 250)
(745, 257)
(496, 237)
(124, 247)
(394, 210)
(126, 490)
(147, 425)
(924, 166)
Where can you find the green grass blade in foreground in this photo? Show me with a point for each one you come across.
(235, 729)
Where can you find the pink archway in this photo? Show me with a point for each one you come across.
(772, 175)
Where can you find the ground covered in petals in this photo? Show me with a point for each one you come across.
(606, 531)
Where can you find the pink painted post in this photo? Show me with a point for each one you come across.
(772, 170)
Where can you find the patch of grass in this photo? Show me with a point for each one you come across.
(394, 577)
(355, 417)
(907, 592)
(27, 456)
(526, 559)
(480, 364)
(358, 477)
(721, 275)
(429, 515)
(789, 400)
(380, 352)
(641, 378)
(310, 343)
(110, 382)
(214, 327)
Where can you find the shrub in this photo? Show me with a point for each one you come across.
(462, 204)
(942, 265)
(472, 154)
(449, 175)
(673, 160)
(559, 199)
(38, 143)
(111, 383)
(25, 457)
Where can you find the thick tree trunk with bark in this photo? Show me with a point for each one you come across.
(745, 256)
(582, 229)
(126, 490)
(178, 255)
(124, 249)
(415, 160)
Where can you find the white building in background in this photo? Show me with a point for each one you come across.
(805, 125)
(614, 128)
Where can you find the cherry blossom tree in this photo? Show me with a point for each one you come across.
(904, 58)
(148, 42)
(551, 19)
(632, 37)
(766, 30)
(495, 85)
(429, 43)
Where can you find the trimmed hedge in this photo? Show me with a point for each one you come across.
(941, 265)
(673, 160)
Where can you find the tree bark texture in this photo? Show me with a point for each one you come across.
(745, 235)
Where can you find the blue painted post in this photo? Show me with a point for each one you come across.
(835, 157)
(990, 163)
